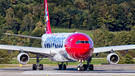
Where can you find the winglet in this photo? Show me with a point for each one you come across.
(46, 17)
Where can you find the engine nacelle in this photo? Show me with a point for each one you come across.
(113, 58)
(23, 58)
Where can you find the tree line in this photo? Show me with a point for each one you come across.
(21, 16)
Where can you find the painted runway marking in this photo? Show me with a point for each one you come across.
(62, 73)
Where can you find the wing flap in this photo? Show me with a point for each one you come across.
(114, 48)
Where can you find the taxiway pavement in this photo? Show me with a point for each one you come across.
(99, 70)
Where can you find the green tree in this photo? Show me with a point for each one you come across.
(9, 17)
(2, 21)
(20, 14)
(27, 24)
(5, 57)
(121, 58)
(122, 38)
(129, 59)
(15, 26)
(4, 5)
(98, 38)
(121, 23)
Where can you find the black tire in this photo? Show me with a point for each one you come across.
(41, 67)
(64, 67)
(91, 67)
(34, 67)
(82, 68)
(60, 66)
(85, 66)
(79, 68)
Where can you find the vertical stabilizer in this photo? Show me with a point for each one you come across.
(46, 18)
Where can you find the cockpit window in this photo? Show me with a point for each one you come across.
(84, 42)
(89, 41)
(78, 42)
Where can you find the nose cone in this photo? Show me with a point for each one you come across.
(79, 51)
(84, 51)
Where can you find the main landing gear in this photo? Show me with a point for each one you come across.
(83, 67)
(62, 66)
(38, 66)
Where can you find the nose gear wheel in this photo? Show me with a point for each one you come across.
(83, 67)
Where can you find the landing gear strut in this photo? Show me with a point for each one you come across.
(60, 66)
(90, 66)
(83, 67)
(80, 67)
(38, 66)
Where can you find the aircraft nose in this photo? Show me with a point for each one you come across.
(79, 46)
(84, 51)
(81, 52)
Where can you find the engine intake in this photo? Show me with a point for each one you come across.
(113, 58)
(23, 58)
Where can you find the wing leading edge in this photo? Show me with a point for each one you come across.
(114, 48)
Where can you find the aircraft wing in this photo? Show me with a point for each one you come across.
(29, 49)
(114, 48)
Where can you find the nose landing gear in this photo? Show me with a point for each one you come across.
(83, 67)
(80, 67)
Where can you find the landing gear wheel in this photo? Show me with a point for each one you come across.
(80, 68)
(85, 66)
(34, 67)
(91, 67)
(60, 66)
(41, 67)
(64, 67)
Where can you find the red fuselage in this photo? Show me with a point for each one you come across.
(79, 46)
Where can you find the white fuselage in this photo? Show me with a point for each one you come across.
(57, 41)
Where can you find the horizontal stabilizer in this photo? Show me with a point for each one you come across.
(23, 36)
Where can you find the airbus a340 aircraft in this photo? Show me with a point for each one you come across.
(64, 48)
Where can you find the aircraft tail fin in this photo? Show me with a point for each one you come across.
(46, 18)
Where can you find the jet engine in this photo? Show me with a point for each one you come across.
(23, 58)
(113, 58)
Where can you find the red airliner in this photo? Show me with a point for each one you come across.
(64, 48)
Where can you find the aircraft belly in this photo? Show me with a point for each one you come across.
(62, 56)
